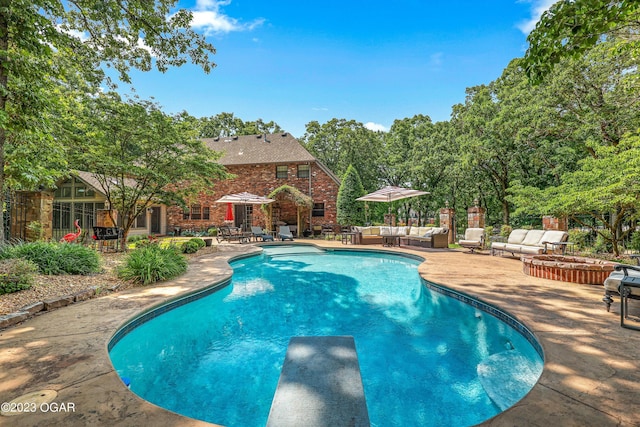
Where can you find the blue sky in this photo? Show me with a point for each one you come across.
(293, 62)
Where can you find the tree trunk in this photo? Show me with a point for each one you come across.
(4, 79)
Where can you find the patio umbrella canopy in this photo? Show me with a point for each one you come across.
(390, 194)
(242, 199)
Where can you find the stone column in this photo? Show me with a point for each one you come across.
(38, 209)
(550, 222)
(447, 219)
(475, 216)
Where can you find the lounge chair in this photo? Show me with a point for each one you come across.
(285, 233)
(473, 239)
(258, 232)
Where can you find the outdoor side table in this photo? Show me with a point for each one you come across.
(348, 237)
(562, 245)
(392, 240)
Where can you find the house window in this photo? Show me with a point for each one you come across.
(282, 171)
(196, 212)
(83, 192)
(303, 171)
(63, 192)
(141, 220)
(318, 209)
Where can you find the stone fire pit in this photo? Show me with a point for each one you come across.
(568, 268)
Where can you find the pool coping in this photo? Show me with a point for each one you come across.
(591, 376)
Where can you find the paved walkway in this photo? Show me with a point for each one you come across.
(591, 375)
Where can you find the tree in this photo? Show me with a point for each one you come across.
(350, 211)
(49, 44)
(606, 187)
(571, 27)
(340, 143)
(142, 156)
(226, 124)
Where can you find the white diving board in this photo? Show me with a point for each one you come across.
(320, 385)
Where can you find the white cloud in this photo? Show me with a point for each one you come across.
(375, 127)
(208, 17)
(538, 7)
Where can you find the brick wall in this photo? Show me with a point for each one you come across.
(552, 223)
(261, 180)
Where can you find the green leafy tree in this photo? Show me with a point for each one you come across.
(571, 27)
(340, 143)
(141, 156)
(350, 211)
(606, 187)
(46, 45)
(226, 124)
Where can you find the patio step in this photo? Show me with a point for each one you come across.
(320, 385)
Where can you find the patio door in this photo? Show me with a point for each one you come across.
(155, 220)
(243, 216)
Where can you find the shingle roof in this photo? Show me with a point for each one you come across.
(256, 149)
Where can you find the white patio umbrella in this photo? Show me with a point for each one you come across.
(390, 194)
(245, 199)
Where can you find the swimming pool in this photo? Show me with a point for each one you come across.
(426, 358)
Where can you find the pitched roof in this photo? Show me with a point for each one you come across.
(259, 149)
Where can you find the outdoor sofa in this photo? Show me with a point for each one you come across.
(426, 237)
(532, 242)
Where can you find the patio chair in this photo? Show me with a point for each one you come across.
(285, 233)
(258, 232)
(225, 233)
(473, 239)
(328, 231)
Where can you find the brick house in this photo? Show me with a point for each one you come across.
(261, 164)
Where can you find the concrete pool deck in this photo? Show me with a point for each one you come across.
(591, 375)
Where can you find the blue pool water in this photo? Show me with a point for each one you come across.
(426, 359)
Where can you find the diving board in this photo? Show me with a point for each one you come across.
(320, 385)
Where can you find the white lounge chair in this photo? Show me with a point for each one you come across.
(473, 239)
(285, 233)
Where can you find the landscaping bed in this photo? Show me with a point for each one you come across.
(54, 286)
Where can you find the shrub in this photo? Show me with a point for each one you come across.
(57, 258)
(191, 246)
(634, 244)
(212, 231)
(199, 241)
(152, 264)
(602, 245)
(146, 242)
(16, 274)
(135, 238)
(579, 238)
(505, 230)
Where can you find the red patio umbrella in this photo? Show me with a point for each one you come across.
(229, 215)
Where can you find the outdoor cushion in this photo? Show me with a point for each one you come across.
(554, 236)
(375, 231)
(517, 236)
(533, 238)
(414, 231)
(612, 282)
